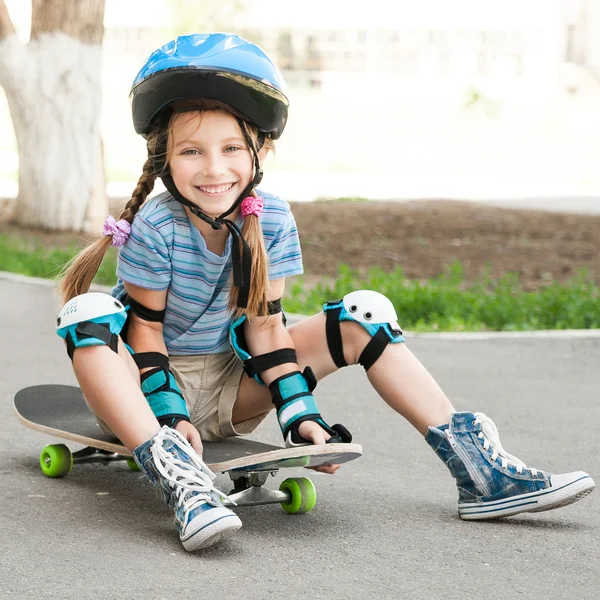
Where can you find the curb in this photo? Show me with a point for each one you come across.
(451, 336)
(50, 283)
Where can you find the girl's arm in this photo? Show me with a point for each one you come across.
(297, 412)
(266, 334)
(145, 336)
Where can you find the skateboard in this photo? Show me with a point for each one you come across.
(61, 411)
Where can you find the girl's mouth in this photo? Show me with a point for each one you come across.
(215, 190)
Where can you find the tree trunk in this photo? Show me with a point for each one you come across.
(53, 91)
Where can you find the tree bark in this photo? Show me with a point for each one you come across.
(81, 20)
(53, 91)
(6, 25)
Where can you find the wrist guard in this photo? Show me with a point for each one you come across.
(294, 402)
(161, 389)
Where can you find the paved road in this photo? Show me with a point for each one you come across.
(384, 526)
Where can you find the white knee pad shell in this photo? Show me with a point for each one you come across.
(368, 307)
(374, 312)
(92, 319)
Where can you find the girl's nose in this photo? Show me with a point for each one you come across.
(213, 164)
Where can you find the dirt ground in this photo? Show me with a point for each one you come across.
(423, 237)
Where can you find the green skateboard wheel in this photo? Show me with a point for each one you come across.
(132, 464)
(56, 460)
(303, 495)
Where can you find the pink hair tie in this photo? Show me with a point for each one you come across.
(252, 205)
(119, 230)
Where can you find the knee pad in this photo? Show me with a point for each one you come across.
(92, 319)
(374, 312)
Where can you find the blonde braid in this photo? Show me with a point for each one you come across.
(78, 274)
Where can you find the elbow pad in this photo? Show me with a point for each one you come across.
(255, 365)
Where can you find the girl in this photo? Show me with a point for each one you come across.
(161, 362)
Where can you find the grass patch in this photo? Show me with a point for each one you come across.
(444, 303)
(448, 303)
(18, 256)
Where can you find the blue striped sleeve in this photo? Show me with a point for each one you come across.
(285, 256)
(145, 260)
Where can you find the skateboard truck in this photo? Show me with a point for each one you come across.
(90, 454)
(248, 489)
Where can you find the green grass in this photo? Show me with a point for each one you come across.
(17, 256)
(444, 303)
(447, 303)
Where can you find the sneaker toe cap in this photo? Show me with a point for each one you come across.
(566, 479)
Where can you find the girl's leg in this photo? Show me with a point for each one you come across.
(491, 483)
(110, 383)
(398, 377)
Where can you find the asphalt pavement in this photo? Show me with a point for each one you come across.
(384, 527)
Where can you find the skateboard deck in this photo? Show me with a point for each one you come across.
(61, 411)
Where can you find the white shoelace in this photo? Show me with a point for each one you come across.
(192, 482)
(491, 438)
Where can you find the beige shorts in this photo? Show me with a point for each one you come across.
(209, 383)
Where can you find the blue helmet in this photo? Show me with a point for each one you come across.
(219, 67)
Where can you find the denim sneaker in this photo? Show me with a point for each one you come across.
(492, 483)
(186, 483)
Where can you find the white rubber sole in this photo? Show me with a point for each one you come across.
(547, 499)
(223, 523)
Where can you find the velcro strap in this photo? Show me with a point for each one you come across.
(257, 364)
(155, 380)
(374, 349)
(87, 330)
(143, 312)
(291, 394)
(172, 420)
(274, 306)
(334, 337)
(288, 387)
(144, 360)
(163, 395)
(304, 408)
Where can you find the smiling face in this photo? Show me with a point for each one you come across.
(209, 159)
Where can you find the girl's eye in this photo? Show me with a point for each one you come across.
(190, 152)
(232, 148)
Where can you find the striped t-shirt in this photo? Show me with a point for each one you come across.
(165, 250)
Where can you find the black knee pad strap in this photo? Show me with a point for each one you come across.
(89, 329)
(374, 349)
(334, 337)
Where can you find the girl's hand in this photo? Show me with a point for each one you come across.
(190, 433)
(310, 430)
